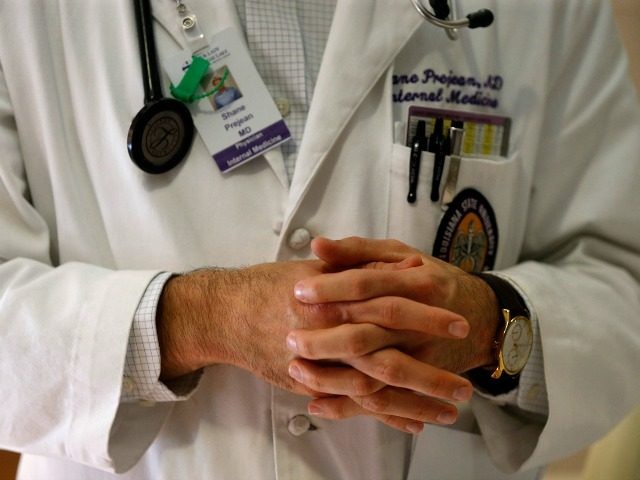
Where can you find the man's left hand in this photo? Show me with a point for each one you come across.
(390, 316)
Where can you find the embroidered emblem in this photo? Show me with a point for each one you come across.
(468, 233)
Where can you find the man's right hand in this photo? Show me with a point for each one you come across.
(238, 317)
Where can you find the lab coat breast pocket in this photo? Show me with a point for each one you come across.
(500, 181)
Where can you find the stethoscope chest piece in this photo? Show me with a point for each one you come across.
(160, 135)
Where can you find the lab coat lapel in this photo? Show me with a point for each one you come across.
(364, 39)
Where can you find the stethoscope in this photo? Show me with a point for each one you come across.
(162, 132)
(441, 13)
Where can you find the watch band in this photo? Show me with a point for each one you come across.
(509, 298)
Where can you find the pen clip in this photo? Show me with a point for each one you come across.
(456, 135)
(419, 144)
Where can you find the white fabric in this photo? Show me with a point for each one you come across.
(564, 198)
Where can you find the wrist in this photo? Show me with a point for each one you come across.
(186, 323)
(487, 322)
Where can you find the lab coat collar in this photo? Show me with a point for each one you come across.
(364, 39)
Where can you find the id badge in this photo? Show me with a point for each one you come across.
(236, 118)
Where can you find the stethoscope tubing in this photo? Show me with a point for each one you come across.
(146, 43)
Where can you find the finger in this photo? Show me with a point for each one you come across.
(360, 284)
(403, 314)
(335, 380)
(406, 404)
(343, 341)
(361, 332)
(357, 250)
(341, 407)
(395, 368)
(409, 262)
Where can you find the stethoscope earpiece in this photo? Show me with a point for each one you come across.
(479, 19)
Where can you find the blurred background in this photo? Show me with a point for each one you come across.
(616, 456)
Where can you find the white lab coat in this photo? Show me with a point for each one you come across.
(566, 201)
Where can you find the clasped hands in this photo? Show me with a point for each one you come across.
(409, 325)
(373, 327)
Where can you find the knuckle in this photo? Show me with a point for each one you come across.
(363, 385)
(336, 410)
(359, 287)
(356, 345)
(438, 387)
(390, 372)
(376, 402)
(424, 413)
(391, 310)
(305, 347)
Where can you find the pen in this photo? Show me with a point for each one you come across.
(456, 133)
(418, 145)
(437, 145)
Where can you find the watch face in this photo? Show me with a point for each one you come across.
(518, 340)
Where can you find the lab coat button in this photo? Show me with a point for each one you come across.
(284, 107)
(298, 425)
(277, 227)
(299, 238)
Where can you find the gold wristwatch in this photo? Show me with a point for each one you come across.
(514, 338)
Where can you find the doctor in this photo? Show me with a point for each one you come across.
(93, 390)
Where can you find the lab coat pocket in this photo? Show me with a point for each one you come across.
(500, 180)
(412, 223)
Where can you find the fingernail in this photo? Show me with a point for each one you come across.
(459, 329)
(415, 428)
(462, 393)
(295, 373)
(314, 409)
(446, 418)
(302, 292)
(292, 343)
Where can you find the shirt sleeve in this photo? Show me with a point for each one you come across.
(141, 378)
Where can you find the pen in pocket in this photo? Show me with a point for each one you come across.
(418, 145)
(437, 145)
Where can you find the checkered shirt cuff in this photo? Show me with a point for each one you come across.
(141, 379)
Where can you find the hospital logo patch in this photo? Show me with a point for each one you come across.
(468, 233)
